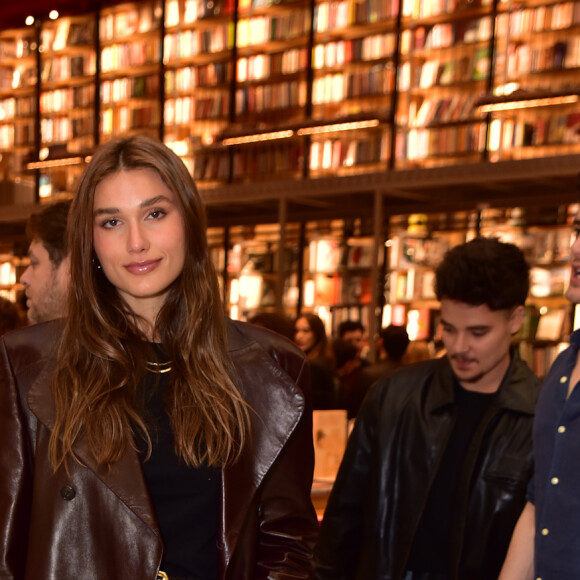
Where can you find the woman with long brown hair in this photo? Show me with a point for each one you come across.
(146, 436)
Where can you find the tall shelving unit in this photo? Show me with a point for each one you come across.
(301, 113)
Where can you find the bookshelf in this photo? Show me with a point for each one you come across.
(446, 52)
(360, 92)
(66, 100)
(18, 108)
(537, 56)
(131, 45)
(198, 74)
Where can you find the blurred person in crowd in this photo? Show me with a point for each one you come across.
(354, 331)
(391, 347)
(545, 543)
(47, 278)
(418, 350)
(275, 321)
(310, 336)
(434, 476)
(145, 435)
(347, 369)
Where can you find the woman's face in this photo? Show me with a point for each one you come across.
(303, 335)
(139, 238)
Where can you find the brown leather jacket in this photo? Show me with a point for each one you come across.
(99, 524)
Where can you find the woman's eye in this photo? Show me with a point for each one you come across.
(110, 223)
(157, 214)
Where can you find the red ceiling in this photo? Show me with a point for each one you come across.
(13, 12)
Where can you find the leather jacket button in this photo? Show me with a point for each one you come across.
(67, 493)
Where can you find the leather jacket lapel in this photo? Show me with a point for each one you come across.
(120, 478)
(275, 413)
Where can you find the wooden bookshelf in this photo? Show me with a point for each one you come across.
(18, 101)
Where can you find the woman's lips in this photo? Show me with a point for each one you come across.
(142, 267)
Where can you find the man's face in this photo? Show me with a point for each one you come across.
(477, 341)
(573, 290)
(46, 285)
(356, 337)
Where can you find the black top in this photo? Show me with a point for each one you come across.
(186, 499)
(431, 548)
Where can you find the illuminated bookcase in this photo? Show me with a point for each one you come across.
(67, 99)
(18, 102)
(130, 53)
(198, 75)
(446, 52)
(538, 59)
(354, 74)
(271, 93)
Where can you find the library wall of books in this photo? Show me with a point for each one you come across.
(341, 145)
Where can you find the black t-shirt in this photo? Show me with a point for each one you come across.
(432, 544)
(186, 499)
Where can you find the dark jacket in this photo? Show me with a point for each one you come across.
(99, 524)
(390, 464)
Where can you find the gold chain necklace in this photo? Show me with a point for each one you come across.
(158, 368)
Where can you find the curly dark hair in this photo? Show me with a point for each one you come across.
(484, 271)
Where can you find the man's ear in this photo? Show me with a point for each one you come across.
(64, 269)
(516, 319)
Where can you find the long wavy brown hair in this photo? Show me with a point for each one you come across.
(102, 354)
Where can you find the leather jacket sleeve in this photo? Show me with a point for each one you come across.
(15, 476)
(277, 538)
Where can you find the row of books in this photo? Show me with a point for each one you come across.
(447, 34)
(130, 54)
(449, 109)
(191, 77)
(20, 135)
(437, 72)
(335, 153)
(139, 18)
(337, 53)
(67, 32)
(423, 143)
(16, 47)
(523, 59)
(124, 119)
(188, 12)
(262, 66)
(549, 130)
(378, 80)
(65, 100)
(336, 15)
(428, 8)
(20, 77)
(122, 89)
(270, 97)
(63, 129)
(190, 43)
(16, 108)
(261, 29)
(526, 20)
(59, 68)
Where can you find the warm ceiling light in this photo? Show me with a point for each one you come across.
(258, 137)
(53, 14)
(54, 163)
(348, 126)
(529, 103)
(29, 20)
